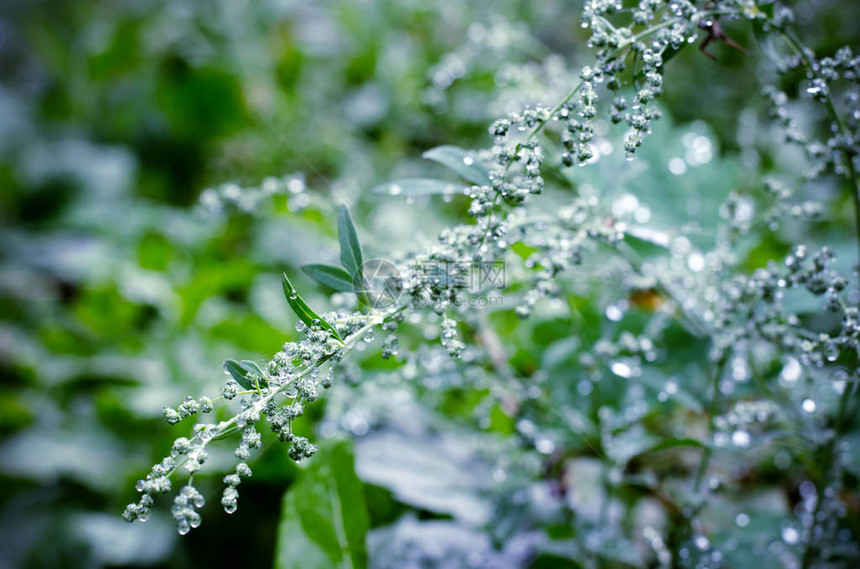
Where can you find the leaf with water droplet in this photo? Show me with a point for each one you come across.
(418, 187)
(252, 368)
(462, 162)
(244, 373)
(238, 373)
(305, 312)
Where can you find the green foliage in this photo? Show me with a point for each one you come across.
(641, 391)
(246, 373)
(464, 163)
(304, 312)
(331, 276)
(350, 248)
(324, 520)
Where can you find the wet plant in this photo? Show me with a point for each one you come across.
(769, 352)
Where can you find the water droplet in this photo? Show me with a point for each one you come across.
(742, 520)
(741, 438)
(621, 369)
(468, 161)
(791, 371)
(677, 166)
(808, 405)
(194, 519)
(790, 535)
(544, 446)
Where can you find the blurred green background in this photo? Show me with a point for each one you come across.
(119, 294)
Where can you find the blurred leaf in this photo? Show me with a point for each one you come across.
(655, 379)
(439, 473)
(248, 332)
(766, 40)
(647, 242)
(154, 251)
(462, 162)
(350, 247)
(324, 520)
(673, 443)
(304, 312)
(331, 276)
(416, 187)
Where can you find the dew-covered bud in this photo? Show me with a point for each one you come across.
(171, 415)
(301, 448)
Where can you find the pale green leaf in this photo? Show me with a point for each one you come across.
(463, 162)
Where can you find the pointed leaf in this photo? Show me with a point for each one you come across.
(350, 248)
(238, 372)
(324, 520)
(418, 187)
(251, 367)
(672, 443)
(303, 311)
(461, 162)
(331, 276)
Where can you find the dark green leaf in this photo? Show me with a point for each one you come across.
(672, 443)
(350, 248)
(303, 311)
(462, 162)
(767, 8)
(417, 187)
(238, 372)
(324, 519)
(330, 275)
(252, 368)
(246, 373)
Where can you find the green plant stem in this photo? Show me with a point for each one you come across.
(712, 413)
(228, 426)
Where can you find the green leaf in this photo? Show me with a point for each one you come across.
(765, 39)
(672, 443)
(331, 276)
(250, 368)
(324, 519)
(767, 8)
(417, 187)
(646, 241)
(239, 373)
(462, 162)
(246, 373)
(303, 311)
(350, 248)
